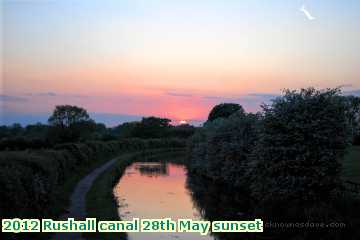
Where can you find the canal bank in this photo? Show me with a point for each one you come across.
(100, 201)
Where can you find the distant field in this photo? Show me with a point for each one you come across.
(351, 170)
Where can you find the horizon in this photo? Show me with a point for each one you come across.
(115, 119)
(109, 119)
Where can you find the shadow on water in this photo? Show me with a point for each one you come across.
(333, 220)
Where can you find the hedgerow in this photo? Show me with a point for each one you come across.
(30, 180)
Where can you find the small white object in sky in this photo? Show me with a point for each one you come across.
(307, 13)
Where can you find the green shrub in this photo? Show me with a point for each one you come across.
(221, 149)
(304, 137)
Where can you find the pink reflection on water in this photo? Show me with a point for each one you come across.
(156, 190)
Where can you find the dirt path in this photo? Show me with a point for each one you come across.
(77, 207)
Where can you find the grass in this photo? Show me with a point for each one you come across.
(100, 202)
(63, 200)
(351, 164)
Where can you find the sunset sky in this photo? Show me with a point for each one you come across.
(177, 59)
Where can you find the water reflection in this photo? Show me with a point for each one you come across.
(219, 202)
(156, 190)
(152, 169)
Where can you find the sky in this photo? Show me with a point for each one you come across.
(122, 59)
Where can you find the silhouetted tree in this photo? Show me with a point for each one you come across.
(37, 130)
(70, 123)
(15, 130)
(125, 130)
(182, 131)
(67, 115)
(224, 110)
(152, 127)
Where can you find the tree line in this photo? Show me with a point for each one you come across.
(73, 124)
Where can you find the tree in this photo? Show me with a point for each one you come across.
(303, 139)
(70, 123)
(125, 130)
(224, 110)
(66, 115)
(15, 130)
(152, 127)
(37, 130)
(156, 122)
(182, 131)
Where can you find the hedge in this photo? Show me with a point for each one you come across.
(30, 180)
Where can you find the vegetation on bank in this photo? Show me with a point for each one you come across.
(37, 158)
(31, 180)
(100, 202)
(40, 164)
(293, 149)
(286, 161)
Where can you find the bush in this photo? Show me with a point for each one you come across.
(28, 180)
(303, 138)
(22, 143)
(222, 148)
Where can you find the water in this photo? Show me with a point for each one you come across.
(160, 190)
(156, 190)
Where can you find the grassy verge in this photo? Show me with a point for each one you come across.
(351, 164)
(62, 202)
(100, 202)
